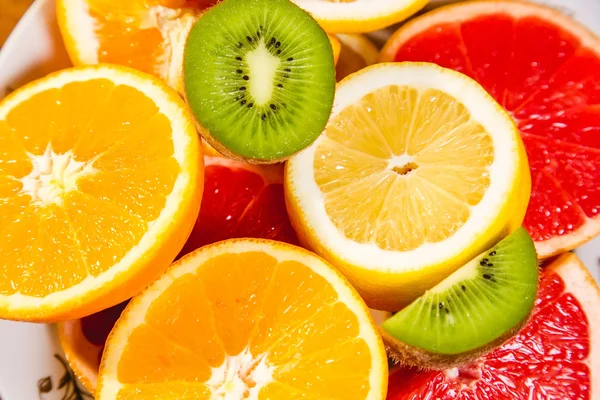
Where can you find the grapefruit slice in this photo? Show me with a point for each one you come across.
(245, 318)
(100, 184)
(241, 200)
(544, 68)
(556, 356)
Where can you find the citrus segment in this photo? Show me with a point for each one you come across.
(148, 35)
(556, 355)
(543, 68)
(229, 321)
(383, 192)
(241, 200)
(76, 182)
(441, 133)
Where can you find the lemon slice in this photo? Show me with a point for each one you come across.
(356, 16)
(418, 171)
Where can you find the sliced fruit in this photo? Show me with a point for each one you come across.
(556, 355)
(475, 309)
(148, 35)
(276, 65)
(418, 171)
(229, 321)
(101, 181)
(544, 68)
(355, 16)
(356, 53)
(336, 47)
(83, 342)
(241, 200)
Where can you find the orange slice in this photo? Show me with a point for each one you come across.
(148, 35)
(100, 185)
(246, 318)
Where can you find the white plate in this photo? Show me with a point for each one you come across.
(32, 366)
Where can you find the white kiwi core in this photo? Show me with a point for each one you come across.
(263, 66)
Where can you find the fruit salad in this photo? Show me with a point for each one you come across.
(250, 199)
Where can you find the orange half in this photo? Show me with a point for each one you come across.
(148, 35)
(100, 185)
(245, 318)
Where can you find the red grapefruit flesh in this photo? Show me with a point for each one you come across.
(241, 200)
(556, 355)
(544, 69)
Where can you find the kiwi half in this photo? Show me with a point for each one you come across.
(259, 77)
(475, 309)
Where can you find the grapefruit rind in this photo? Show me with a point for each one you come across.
(375, 272)
(465, 11)
(560, 244)
(579, 281)
(159, 245)
(134, 314)
(455, 13)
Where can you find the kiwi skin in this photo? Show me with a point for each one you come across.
(406, 355)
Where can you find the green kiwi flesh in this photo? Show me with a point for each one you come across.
(259, 77)
(472, 311)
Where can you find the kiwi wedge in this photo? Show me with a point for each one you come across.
(470, 312)
(259, 77)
